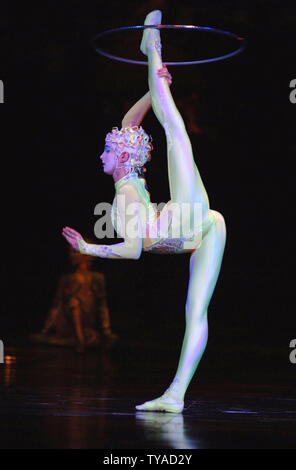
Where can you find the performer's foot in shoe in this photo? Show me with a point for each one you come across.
(168, 402)
(154, 17)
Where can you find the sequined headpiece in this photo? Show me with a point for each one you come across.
(136, 141)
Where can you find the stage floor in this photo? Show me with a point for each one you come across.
(55, 398)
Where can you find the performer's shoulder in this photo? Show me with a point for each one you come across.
(129, 190)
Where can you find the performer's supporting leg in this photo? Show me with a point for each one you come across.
(205, 263)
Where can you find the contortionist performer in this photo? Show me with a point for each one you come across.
(125, 153)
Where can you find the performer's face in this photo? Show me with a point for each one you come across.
(109, 160)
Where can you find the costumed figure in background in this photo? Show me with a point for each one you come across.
(125, 153)
(79, 315)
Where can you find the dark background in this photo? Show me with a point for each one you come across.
(61, 98)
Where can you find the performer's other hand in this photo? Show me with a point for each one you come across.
(163, 72)
(72, 237)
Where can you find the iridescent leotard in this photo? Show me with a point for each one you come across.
(154, 223)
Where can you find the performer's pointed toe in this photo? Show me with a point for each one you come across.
(153, 18)
(163, 403)
(140, 407)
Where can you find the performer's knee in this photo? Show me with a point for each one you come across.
(220, 224)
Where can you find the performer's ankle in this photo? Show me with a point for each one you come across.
(176, 390)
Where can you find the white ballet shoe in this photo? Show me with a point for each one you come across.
(167, 402)
(162, 404)
(154, 17)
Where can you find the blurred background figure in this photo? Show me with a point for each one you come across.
(79, 315)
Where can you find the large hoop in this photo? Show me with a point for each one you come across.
(241, 40)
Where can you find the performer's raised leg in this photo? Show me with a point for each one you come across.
(184, 178)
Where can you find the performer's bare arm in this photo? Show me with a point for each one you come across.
(136, 114)
(131, 248)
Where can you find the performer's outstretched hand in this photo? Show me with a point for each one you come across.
(72, 237)
(163, 72)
